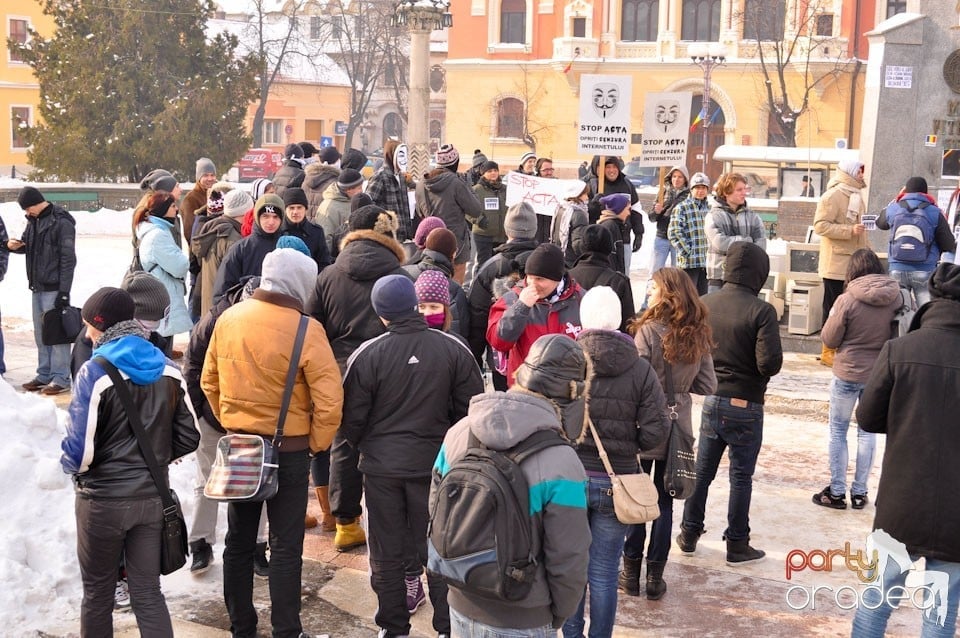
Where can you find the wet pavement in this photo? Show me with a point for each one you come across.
(705, 597)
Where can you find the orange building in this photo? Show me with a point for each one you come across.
(514, 67)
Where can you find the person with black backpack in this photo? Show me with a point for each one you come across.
(918, 234)
(522, 569)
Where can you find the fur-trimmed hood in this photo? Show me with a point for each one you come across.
(364, 254)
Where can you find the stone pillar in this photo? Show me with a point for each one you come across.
(418, 109)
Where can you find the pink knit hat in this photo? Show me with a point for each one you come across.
(426, 225)
(433, 287)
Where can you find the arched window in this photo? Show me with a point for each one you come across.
(701, 21)
(763, 19)
(510, 118)
(392, 126)
(513, 21)
(640, 20)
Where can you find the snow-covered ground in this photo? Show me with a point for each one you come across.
(38, 560)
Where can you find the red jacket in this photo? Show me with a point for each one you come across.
(512, 327)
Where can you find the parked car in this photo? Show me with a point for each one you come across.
(641, 176)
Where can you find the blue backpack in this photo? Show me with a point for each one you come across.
(911, 234)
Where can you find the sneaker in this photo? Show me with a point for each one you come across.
(261, 566)
(415, 595)
(858, 501)
(687, 541)
(826, 499)
(121, 596)
(34, 386)
(54, 389)
(202, 556)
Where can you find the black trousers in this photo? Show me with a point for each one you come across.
(346, 482)
(699, 278)
(397, 517)
(285, 513)
(832, 288)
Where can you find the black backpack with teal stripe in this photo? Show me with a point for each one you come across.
(479, 539)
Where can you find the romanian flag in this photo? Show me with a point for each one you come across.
(698, 119)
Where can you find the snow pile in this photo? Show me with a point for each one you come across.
(38, 555)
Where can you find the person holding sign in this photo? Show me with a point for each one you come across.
(614, 181)
(616, 212)
(676, 187)
(492, 194)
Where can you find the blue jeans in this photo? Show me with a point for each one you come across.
(661, 529)
(53, 362)
(914, 281)
(662, 248)
(604, 567)
(723, 426)
(843, 398)
(872, 623)
(285, 513)
(463, 627)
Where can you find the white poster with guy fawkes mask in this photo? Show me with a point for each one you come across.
(604, 126)
(666, 122)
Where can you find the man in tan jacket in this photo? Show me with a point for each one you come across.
(838, 222)
(244, 374)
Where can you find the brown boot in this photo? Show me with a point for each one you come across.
(328, 523)
(309, 521)
(826, 356)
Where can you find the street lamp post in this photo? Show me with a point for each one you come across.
(420, 17)
(706, 57)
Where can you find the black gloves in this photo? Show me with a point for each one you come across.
(62, 300)
(482, 222)
(637, 240)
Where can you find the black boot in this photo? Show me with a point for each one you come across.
(656, 587)
(261, 566)
(687, 541)
(202, 556)
(740, 552)
(629, 580)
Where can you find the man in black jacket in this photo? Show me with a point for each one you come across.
(49, 243)
(593, 269)
(397, 421)
(747, 355)
(911, 396)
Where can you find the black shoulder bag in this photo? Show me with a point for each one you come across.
(173, 542)
(679, 476)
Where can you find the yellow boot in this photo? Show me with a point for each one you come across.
(349, 535)
(328, 523)
(826, 356)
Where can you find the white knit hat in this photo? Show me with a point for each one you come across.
(236, 203)
(600, 309)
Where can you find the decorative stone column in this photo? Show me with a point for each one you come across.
(420, 17)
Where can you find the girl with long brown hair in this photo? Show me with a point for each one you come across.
(673, 330)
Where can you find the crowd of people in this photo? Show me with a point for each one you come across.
(459, 325)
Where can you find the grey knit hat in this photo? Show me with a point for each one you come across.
(205, 165)
(520, 221)
(150, 296)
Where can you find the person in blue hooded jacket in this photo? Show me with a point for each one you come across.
(118, 508)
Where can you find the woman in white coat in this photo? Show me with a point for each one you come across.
(161, 257)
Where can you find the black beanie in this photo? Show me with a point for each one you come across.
(597, 239)
(295, 195)
(916, 185)
(107, 307)
(546, 261)
(349, 178)
(29, 196)
(488, 165)
(365, 217)
(359, 200)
